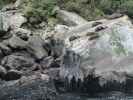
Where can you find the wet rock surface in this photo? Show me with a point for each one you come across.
(83, 59)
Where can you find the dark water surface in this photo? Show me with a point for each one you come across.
(102, 96)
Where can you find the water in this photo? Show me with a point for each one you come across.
(102, 96)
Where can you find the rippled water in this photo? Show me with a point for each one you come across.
(102, 96)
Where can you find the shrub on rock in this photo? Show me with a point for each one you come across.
(39, 9)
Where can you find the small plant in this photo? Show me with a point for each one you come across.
(111, 6)
(85, 8)
(5, 2)
(39, 9)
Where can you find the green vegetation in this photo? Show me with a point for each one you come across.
(39, 9)
(111, 6)
(4, 2)
(93, 9)
(85, 8)
(89, 9)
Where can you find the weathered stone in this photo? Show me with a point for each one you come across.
(61, 28)
(16, 20)
(36, 47)
(18, 3)
(69, 18)
(4, 24)
(45, 77)
(56, 46)
(11, 19)
(15, 42)
(81, 45)
(53, 73)
(46, 62)
(105, 55)
(33, 20)
(18, 61)
(96, 23)
(5, 50)
(114, 16)
(22, 33)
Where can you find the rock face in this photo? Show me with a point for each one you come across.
(3, 23)
(15, 42)
(11, 19)
(36, 47)
(17, 20)
(18, 61)
(69, 18)
(105, 54)
(88, 57)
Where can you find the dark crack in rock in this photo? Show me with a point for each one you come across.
(12, 75)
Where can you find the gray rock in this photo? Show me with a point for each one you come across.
(4, 24)
(46, 62)
(18, 3)
(15, 42)
(96, 23)
(114, 16)
(11, 19)
(33, 20)
(61, 29)
(35, 46)
(56, 47)
(69, 18)
(5, 50)
(104, 58)
(22, 33)
(16, 20)
(53, 73)
(18, 61)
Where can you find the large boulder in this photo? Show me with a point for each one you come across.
(5, 50)
(106, 54)
(36, 47)
(22, 33)
(17, 20)
(18, 61)
(15, 42)
(4, 24)
(70, 18)
(18, 3)
(11, 19)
